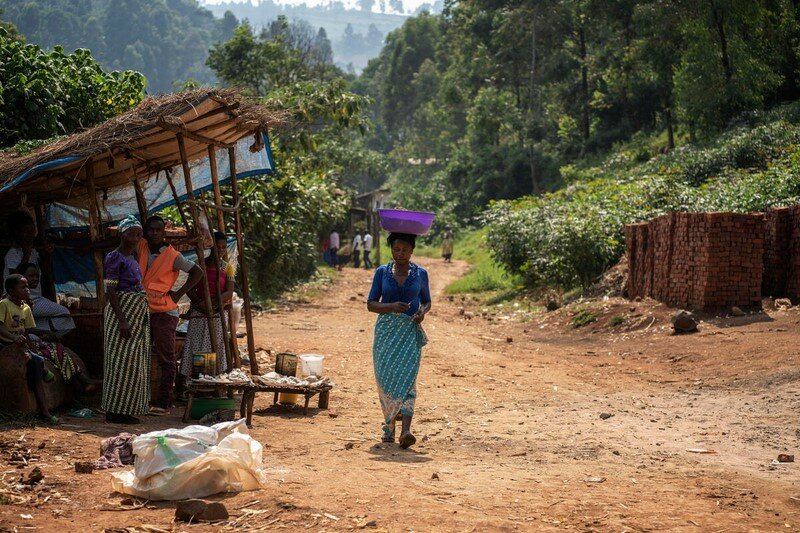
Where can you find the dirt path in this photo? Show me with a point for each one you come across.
(509, 428)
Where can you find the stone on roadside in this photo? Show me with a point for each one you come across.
(684, 322)
(35, 476)
(190, 510)
(735, 311)
(785, 458)
(605, 416)
(215, 511)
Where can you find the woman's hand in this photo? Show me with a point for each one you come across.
(124, 329)
(399, 307)
(418, 317)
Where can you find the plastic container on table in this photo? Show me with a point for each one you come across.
(204, 363)
(311, 364)
(401, 221)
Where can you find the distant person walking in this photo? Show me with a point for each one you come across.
(357, 250)
(367, 249)
(334, 248)
(447, 244)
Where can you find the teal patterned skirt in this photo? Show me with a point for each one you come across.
(396, 356)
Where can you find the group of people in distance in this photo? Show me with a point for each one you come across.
(140, 317)
(361, 249)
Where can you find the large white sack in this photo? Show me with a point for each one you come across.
(183, 464)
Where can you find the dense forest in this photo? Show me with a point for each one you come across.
(166, 40)
(553, 123)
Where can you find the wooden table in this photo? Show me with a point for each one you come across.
(249, 391)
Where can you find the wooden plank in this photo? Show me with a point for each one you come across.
(177, 128)
(95, 233)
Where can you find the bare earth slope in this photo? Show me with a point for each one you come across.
(509, 428)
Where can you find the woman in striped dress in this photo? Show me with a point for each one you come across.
(401, 296)
(126, 390)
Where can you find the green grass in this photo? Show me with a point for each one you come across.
(583, 318)
(485, 275)
(616, 320)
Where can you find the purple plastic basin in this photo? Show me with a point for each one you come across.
(399, 221)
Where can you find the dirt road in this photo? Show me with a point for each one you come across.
(509, 426)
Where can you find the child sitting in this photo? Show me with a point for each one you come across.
(15, 318)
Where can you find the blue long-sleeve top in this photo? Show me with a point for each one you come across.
(414, 291)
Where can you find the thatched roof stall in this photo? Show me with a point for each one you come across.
(94, 177)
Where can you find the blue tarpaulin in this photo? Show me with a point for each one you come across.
(73, 267)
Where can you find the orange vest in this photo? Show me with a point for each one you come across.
(159, 279)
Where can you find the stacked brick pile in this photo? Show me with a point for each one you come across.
(791, 254)
(640, 266)
(698, 260)
(777, 241)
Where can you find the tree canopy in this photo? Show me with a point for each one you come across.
(44, 94)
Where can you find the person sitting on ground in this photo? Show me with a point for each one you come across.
(69, 365)
(52, 319)
(198, 337)
(15, 318)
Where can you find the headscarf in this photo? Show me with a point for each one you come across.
(127, 223)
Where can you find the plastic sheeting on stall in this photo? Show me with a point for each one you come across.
(117, 203)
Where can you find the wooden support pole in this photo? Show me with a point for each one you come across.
(231, 339)
(220, 305)
(175, 194)
(212, 162)
(141, 202)
(95, 233)
(248, 312)
(187, 178)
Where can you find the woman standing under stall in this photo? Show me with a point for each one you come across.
(126, 325)
(401, 296)
(198, 336)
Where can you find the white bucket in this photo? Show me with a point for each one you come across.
(311, 364)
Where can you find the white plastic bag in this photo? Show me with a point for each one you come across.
(193, 462)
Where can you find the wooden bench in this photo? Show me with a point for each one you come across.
(249, 392)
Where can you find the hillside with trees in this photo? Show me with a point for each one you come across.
(493, 101)
(166, 40)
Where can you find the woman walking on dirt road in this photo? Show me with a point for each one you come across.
(401, 296)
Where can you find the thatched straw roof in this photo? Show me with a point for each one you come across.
(138, 143)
